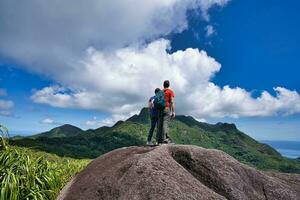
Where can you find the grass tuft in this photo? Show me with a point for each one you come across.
(30, 174)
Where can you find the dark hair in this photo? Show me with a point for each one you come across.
(166, 83)
(156, 90)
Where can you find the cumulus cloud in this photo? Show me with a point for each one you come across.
(108, 56)
(66, 40)
(109, 121)
(50, 121)
(6, 113)
(93, 122)
(236, 102)
(5, 106)
(120, 82)
(47, 35)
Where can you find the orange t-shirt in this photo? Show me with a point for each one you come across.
(168, 95)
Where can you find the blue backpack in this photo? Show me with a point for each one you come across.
(159, 101)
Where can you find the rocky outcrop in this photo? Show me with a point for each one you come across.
(177, 172)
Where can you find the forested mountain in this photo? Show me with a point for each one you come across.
(183, 130)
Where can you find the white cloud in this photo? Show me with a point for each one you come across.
(92, 122)
(6, 113)
(107, 56)
(201, 119)
(50, 121)
(210, 30)
(49, 36)
(67, 40)
(109, 121)
(47, 121)
(205, 5)
(6, 104)
(214, 101)
(120, 83)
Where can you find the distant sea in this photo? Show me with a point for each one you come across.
(290, 149)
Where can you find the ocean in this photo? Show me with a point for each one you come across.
(290, 149)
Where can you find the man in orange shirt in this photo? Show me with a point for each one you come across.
(165, 115)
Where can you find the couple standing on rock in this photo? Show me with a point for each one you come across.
(162, 109)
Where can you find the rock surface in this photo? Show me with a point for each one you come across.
(177, 172)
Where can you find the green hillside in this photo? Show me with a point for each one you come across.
(183, 130)
(32, 174)
(65, 130)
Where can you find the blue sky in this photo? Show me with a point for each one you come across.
(255, 43)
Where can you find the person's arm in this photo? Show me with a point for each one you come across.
(150, 105)
(172, 107)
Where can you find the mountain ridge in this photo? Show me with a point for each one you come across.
(183, 130)
(66, 130)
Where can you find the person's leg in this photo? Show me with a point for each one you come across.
(166, 121)
(159, 127)
(153, 124)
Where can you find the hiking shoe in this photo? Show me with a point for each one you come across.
(168, 141)
(149, 143)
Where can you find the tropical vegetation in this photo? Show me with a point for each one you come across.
(30, 174)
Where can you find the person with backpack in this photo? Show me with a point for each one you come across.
(153, 116)
(166, 111)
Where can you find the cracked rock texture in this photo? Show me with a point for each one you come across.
(177, 172)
